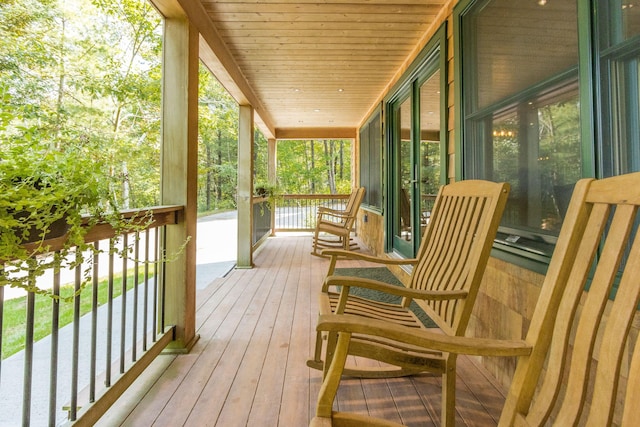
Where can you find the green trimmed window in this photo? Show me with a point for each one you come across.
(548, 92)
(371, 161)
(521, 113)
(618, 31)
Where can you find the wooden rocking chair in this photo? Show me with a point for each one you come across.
(337, 223)
(446, 276)
(580, 361)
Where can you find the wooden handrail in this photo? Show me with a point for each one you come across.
(316, 196)
(161, 215)
(260, 199)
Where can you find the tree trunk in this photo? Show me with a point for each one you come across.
(219, 163)
(341, 173)
(313, 167)
(207, 189)
(331, 176)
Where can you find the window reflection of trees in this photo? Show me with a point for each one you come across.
(536, 148)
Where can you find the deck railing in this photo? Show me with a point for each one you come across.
(108, 340)
(297, 212)
(294, 212)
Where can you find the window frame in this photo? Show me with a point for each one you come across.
(531, 253)
(370, 133)
(617, 54)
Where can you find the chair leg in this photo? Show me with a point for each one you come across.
(332, 340)
(316, 362)
(315, 243)
(449, 393)
(331, 379)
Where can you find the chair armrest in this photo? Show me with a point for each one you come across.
(324, 209)
(351, 281)
(423, 338)
(338, 215)
(363, 257)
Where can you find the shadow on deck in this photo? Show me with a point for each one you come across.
(256, 332)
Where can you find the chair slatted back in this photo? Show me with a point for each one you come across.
(356, 195)
(350, 211)
(352, 208)
(582, 340)
(456, 246)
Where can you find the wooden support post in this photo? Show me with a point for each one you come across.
(179, 174)
(245, 187)
(272, 158)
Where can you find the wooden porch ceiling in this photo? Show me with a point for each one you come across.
(310, 68)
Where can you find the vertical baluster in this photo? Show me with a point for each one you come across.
(155, 285)
(94, 323)
(76, 341)
(146, 290)
(161, 285)
(286, 221)
(123, 296)
(55, 325)
(28, 352)
(285, 214)
(294, 217)
(107, 380)
(134, 332)
(1, 318)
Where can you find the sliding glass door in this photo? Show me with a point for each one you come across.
(417, 150)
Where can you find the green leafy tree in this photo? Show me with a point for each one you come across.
(314, 167)
(218, 145)
(87, 74)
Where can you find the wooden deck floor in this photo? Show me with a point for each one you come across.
(248, 367)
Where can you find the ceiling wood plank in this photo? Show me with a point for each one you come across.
(317, 65)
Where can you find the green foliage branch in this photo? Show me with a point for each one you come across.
(54, 185)
(43, 188)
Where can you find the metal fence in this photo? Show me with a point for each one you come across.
(92, 341)
(297, 212)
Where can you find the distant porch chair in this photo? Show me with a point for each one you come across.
(334, 226)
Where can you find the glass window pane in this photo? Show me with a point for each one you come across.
(404, 178)
(429, 145)
(520, 43)
(630, 18)
(522, 124)
(624, 154)
(619, 33)
(374, 162)
(536, 148)
(619, 21)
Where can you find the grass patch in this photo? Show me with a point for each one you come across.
(15, 311)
